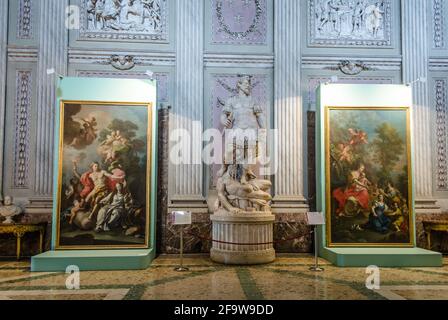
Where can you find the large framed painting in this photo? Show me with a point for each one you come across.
(104, 175)
(368, 177)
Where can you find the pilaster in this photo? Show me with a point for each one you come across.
(187, 114)
(289, 180)
(416, 65)
(3, 65)
(53, 43)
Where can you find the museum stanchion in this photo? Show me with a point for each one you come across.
(181, 219)
(315, 219)
(316, 267)
(181, 267)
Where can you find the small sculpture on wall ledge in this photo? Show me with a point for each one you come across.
(9, 210)
(351, 68)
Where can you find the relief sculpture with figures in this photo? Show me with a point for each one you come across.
(133, 19)
(344, 22)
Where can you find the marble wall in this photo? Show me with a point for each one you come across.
(193, 47)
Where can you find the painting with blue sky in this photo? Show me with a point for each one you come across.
(369, 187)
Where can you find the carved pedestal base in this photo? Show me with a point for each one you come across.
(245, 238)
(427, 206)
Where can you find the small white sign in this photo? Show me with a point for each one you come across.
(181, 217)
(315, 218)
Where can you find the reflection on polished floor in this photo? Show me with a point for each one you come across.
(286, 279)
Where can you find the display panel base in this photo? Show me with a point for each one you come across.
(382, 257)
(58, 261)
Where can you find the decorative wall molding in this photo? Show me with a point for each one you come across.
(438, 24)
(163, 79)
(241, 61)
(239, 22)
(22, 124)
(351, 68)
(438, 64)
(339, 24)
(20, 54)
(441, 132)
(122, 62)
(24, 20)
(315, 81)
(139, 21)
(332, 63)
(77, 56)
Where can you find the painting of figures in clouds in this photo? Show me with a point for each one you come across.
(104, 174)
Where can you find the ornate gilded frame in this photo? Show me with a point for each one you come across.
(60, 144)
(328, 201)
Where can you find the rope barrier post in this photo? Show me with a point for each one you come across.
(316, 219)
(181, 218)
(316, 267)
(181, 267)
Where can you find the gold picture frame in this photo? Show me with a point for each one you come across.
(63, 146)
(339, 226)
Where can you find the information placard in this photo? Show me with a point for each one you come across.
(315, 218)
(181, 218)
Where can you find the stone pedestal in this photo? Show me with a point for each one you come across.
(245, 238)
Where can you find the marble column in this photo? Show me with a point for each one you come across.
(415, 65)
(3, 65)
(53, 42)
(187, 114)
(289, 180)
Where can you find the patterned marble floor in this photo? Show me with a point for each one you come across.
(286, 279)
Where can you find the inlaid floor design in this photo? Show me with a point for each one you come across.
(288, 278)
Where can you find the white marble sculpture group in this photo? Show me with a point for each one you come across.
(239, 189)
(243, 220)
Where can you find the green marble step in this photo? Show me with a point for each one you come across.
(58, 261)
(382, 257)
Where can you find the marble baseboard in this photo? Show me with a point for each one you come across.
(291, 235)
(196, 238)
(439, 240)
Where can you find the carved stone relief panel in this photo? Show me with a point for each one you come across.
(342, 23)
(24, 20)
(439, 27)
(239, 22)
(20, 131)
(138, 20)
(23, 16)
(441, 108)
(22, 124)
(163, 79)
(223, 87)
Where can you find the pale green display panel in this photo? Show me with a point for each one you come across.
(104, 91)
(362, 255)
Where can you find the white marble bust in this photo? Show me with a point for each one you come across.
(9, 210)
